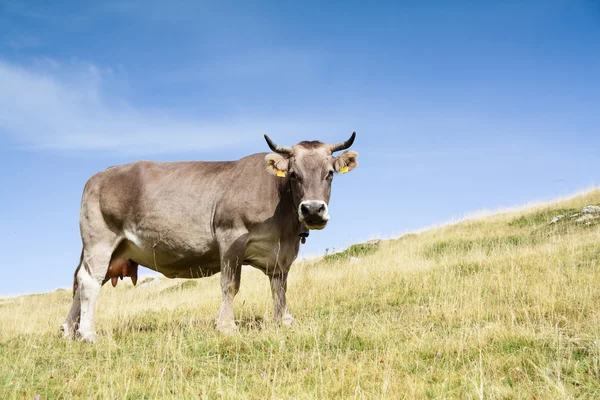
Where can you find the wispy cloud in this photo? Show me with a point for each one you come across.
(54, 106)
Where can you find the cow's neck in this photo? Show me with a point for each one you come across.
(290, 224)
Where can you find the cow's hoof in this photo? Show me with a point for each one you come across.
(288, 321)
(68, 332)
(227, 329)
(88, 337)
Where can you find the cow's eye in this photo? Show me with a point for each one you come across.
(330, 175)
(295, 176)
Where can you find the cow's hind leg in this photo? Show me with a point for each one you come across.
(96, 259)
(72, 321)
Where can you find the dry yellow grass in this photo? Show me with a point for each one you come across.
(500, 307)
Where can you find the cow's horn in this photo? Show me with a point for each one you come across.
(276, 148)
(343, 145)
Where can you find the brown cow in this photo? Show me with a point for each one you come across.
(194, 219)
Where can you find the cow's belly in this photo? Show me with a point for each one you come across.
(271, 256)
(173, 256)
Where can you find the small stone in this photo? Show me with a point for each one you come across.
(556, 219)
(588, 218)
(354, 260)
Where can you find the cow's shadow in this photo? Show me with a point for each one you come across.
(251, 323)
(145, 325)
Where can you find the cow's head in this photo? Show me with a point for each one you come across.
(310, 167)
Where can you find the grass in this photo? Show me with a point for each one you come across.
(540, 218)
(357, 250)
(486, 308)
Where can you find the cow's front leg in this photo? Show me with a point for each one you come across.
(231, 273)
(278, 289)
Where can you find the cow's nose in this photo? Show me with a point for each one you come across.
(314, 210)
(305, 210)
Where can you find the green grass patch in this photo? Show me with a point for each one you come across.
(535, 220)
(146, 280)
(357, 250)
(182, 286)
(466, 268)
(487, 245)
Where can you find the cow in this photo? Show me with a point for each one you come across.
(194, 219)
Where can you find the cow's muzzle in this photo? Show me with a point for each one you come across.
(314, 214)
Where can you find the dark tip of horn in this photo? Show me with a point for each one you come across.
(276, 148)
(270, 142)
(343, 145)
(351, 140)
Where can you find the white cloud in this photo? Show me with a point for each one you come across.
(65, 107)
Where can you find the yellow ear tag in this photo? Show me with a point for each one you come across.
(280, 173)
(343, 170)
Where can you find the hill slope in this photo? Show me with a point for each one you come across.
(500, 307)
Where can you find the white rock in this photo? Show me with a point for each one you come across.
(591, 210)
(556, 219)
(586, 218)
(354, 260)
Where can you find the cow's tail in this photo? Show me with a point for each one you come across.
(75, 284)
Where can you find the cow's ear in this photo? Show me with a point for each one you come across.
(277, 164)
(346, 162)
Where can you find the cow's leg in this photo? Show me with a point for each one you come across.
(232, 256)
(72, 321)
(90, 278)
(278, 289)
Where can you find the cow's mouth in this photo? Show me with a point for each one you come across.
(315, 225)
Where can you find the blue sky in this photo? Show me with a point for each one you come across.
(458, 106)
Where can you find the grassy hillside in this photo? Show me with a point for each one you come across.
(505, 306)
